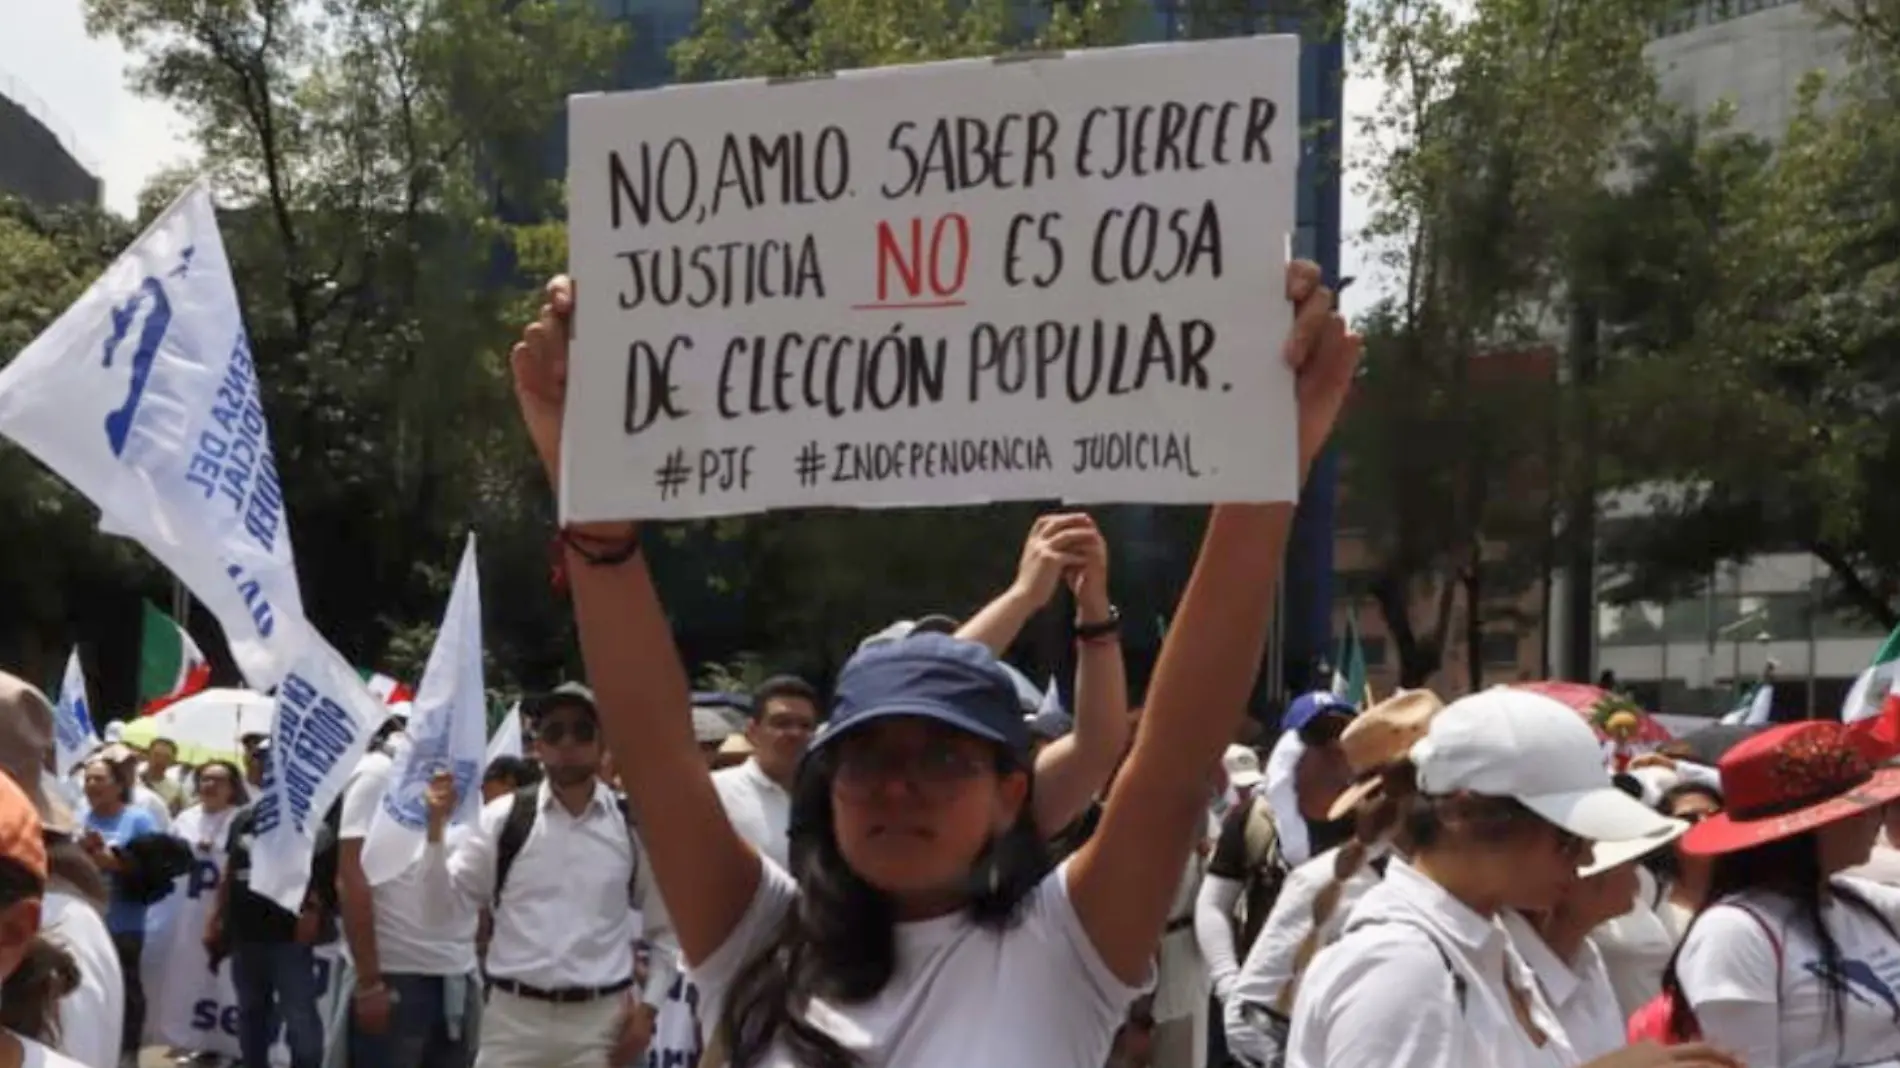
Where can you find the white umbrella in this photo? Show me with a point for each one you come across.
(207, 722)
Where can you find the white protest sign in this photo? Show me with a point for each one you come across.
(1055, 277)
(325, 719)
(144, 396)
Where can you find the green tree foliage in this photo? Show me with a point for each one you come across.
(1494, 128)
(371, 159)
(1773, 345)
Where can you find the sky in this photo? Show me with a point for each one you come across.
(78, 86)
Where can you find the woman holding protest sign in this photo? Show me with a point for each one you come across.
(917, 873)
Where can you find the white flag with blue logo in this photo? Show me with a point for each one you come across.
(325, 719)
(144, 396)
(73, 735)
(448, 729)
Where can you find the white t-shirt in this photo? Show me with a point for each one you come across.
(1883, 866)
(1783, 1017)
(758, 808)
(414, 935)
(1036, 995)
(1388, 992)
(34, 1055)
(89, 1017)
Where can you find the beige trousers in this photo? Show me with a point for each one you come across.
(523, 1033)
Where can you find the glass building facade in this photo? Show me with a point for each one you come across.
(1153, 550)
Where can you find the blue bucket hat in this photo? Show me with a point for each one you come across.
(933, 676)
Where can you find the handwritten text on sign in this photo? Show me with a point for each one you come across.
(959, 282)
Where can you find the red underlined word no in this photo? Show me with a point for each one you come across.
(927, 274)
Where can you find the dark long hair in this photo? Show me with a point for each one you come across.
(839, 940)
(29, 997)
(1789, 868)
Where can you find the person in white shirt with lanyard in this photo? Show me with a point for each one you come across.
(1499, 803)
(919, 926)
(564, 875)
(1792, 963)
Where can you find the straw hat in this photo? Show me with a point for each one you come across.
(1382, 735)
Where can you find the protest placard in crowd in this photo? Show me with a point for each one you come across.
(189, 1004)
(1054, 276)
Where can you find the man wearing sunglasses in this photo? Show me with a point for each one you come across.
(562, 871)
(1279, 827)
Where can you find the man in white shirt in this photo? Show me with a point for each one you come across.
(569, 903)
(757, 794)
(163, 775)
(417, 997)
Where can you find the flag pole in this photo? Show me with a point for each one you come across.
(181, 604)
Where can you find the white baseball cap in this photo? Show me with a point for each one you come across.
(1506, 742)
(1243, 766)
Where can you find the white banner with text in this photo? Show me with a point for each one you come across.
(999, 279)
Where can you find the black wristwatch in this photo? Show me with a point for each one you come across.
(1087, 632)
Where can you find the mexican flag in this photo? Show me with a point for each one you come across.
(387, 690)
(171, 666)
(1349, 669)
(1877, 690)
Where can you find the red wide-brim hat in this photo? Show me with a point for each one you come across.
(1790, 780)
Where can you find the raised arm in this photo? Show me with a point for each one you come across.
(1124, 879)
(1075, 767)
(1071, 769)
(705, 870)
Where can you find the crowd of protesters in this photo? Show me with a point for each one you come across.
(937, 865)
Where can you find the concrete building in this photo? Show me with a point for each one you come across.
(1688, 657)
(1752, 54)
(39, 162)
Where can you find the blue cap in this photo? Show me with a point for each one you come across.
(1310, 706)
(935, 676)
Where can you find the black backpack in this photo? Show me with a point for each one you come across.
(520, 823)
